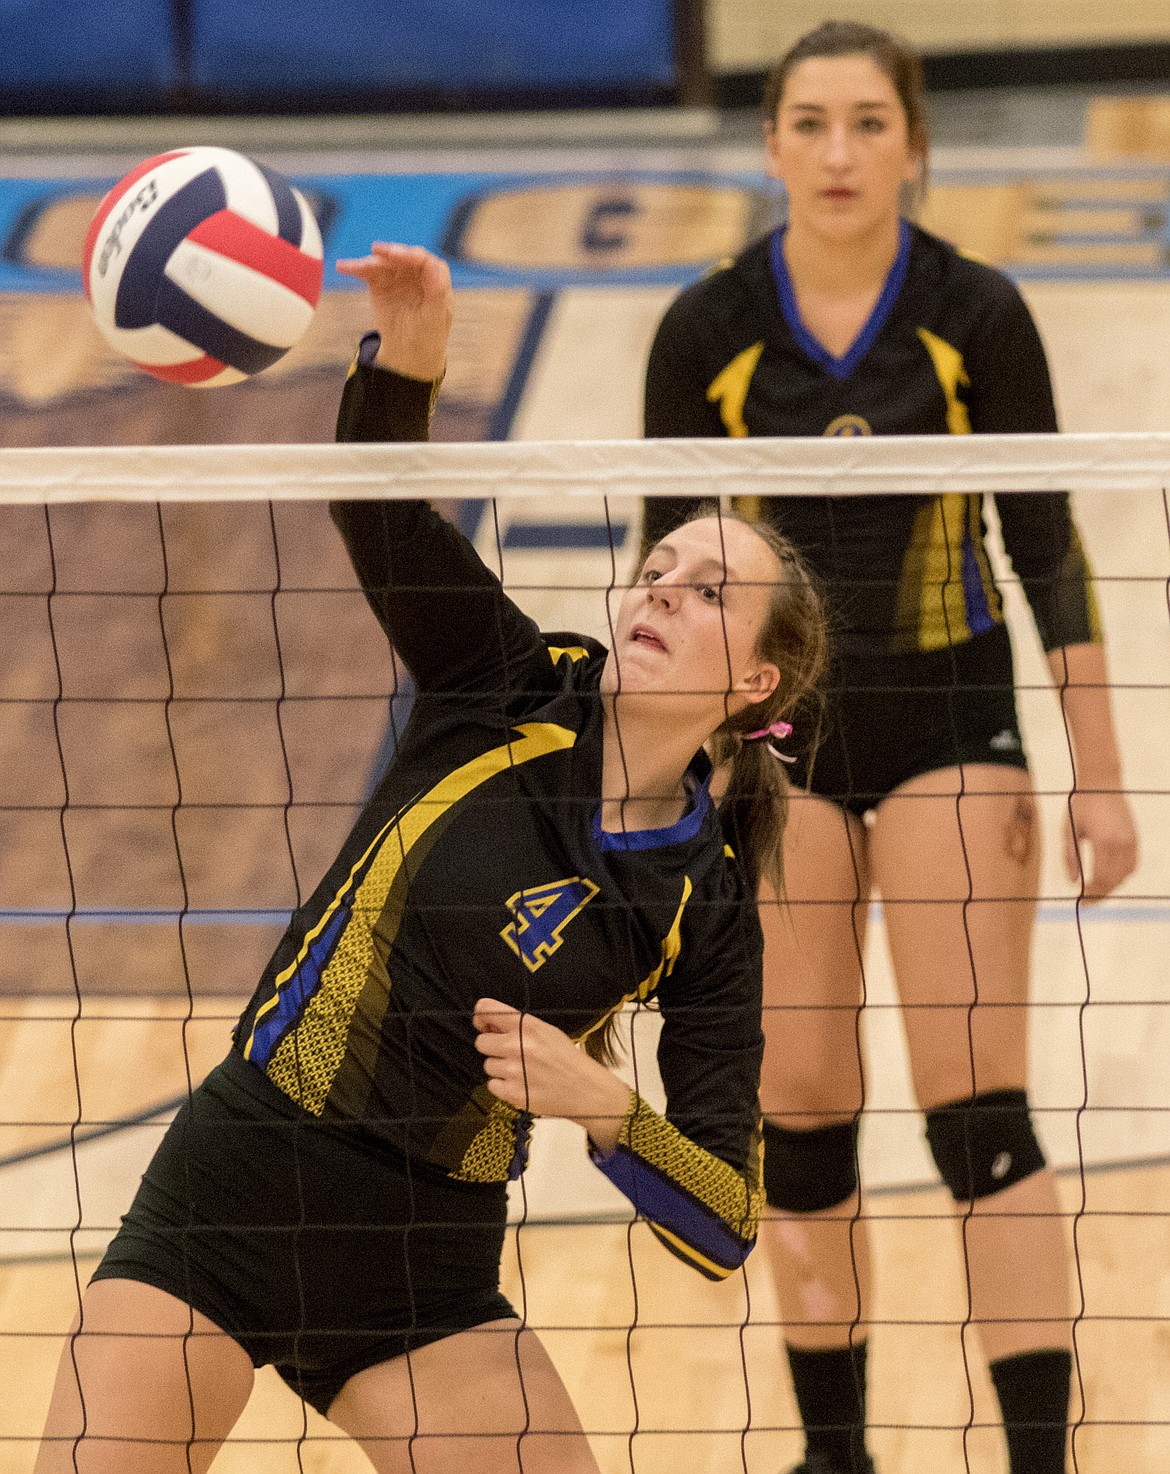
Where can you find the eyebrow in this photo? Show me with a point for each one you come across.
(723, 574)
(819, 107)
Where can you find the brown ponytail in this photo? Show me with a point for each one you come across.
(754, 805)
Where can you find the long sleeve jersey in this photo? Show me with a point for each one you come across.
(479, 869)
(949, 349)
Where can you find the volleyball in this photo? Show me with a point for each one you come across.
(203, 267)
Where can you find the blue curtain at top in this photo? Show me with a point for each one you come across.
(56, 46)
(480, 45)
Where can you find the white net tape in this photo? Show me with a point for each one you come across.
(836, 466)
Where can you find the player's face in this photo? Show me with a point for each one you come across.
(840, 144)
(687, 631)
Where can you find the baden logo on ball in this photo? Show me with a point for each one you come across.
(203, 267)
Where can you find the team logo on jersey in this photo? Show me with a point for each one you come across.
(848, 425)
(541, 915)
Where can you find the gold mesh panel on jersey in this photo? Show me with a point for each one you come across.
(307, 1060)
(736, 1199)
(489, 1156)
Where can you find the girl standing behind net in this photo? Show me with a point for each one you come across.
(541, 850)
(851, 321)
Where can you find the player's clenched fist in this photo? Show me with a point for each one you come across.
(534, 1066)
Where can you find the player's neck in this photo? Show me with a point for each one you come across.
(642, 770)
(831, 266)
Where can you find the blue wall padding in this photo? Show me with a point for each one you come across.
(484, 45)
(57, 45)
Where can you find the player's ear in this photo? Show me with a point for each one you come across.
(758, 683)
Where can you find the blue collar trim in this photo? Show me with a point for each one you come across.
(653, 839)
(840, 368)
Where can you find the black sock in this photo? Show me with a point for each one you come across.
(830, 1393)
(1033, 1390)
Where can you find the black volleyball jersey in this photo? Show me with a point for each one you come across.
(949, 348)
(479, 869)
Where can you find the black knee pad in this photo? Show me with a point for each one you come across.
(805, 1171)
(983, 1143)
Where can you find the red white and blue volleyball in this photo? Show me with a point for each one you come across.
(203, 267)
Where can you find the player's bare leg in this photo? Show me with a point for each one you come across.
(488, 1400)
(145, 1386)
(962, 962)
(811, 1092)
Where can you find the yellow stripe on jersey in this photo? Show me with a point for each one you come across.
(671, 948)
(574, 652)
(729, 389)
(942, 617)
(305, 1063)
(283, 978)
(691, 1255)
(951, 373)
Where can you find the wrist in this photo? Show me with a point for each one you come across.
(424, 369)
(1097, 779)
(608, 1107)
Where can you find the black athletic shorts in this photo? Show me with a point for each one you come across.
(318, 1251)
(892, 718)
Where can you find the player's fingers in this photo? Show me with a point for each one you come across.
(512, 1093)
(383, 263)
(489, 1041)
(361, 266)
(1112, 862)
(396, 251)
(493, 1016)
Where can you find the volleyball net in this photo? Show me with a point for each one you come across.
(195, 702)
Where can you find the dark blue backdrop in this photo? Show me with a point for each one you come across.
(233, 52)
(67, 44)
(477, 44)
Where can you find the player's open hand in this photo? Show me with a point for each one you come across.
(1100, 826)
(410, 294)
(536, 1067)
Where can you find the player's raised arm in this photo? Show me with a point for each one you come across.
(410, 295)
(442, 609)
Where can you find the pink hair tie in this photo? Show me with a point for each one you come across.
(773, 730)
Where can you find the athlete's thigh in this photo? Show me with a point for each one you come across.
(956, 858)
(812, 968)
(488, 1400)
(153, 1386)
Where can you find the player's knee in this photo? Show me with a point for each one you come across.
(807, 1171)
(983, 1143)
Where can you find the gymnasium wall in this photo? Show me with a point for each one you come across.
(747, 35)
(272, 55)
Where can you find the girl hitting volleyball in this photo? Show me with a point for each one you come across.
(849, 320)
(542, 849)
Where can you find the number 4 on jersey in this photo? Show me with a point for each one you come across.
(541, 915)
